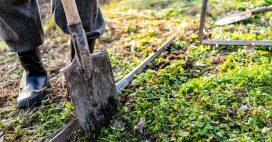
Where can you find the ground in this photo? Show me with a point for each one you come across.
(192, 92)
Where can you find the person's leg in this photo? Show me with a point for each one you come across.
(91, 16)
(20, 24)
(21, 29)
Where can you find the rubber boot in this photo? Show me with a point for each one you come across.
(35, 78)
(91, 43)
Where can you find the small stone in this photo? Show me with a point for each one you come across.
(243, 108)
(140, 127)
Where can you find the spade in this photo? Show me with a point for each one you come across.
(89, 78)
(242, 16)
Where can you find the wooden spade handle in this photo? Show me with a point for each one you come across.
(71, 12)
(261, 10)
(78, 34)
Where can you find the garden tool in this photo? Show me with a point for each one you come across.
(89, 78)
(242, 16)
(69, 130)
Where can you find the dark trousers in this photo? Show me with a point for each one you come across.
(21, 28)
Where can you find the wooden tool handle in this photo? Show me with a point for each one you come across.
(261, 10)
(129, 77)
(202, 19)
(71, 12)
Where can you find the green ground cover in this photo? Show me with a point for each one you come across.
(191, 92)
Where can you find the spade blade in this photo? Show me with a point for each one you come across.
(234, 18)
(93, 92)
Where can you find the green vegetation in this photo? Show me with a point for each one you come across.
(191, 92)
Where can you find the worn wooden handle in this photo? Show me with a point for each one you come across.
(261, 10)
(71, 12)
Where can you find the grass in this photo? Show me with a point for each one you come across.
(192, 92)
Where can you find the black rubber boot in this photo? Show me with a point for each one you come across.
(91, 43)
(35, 78)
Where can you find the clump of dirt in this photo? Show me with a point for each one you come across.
(217, 59)
(188, 64)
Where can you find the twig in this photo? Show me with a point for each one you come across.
(11, 70)
(153, 99)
